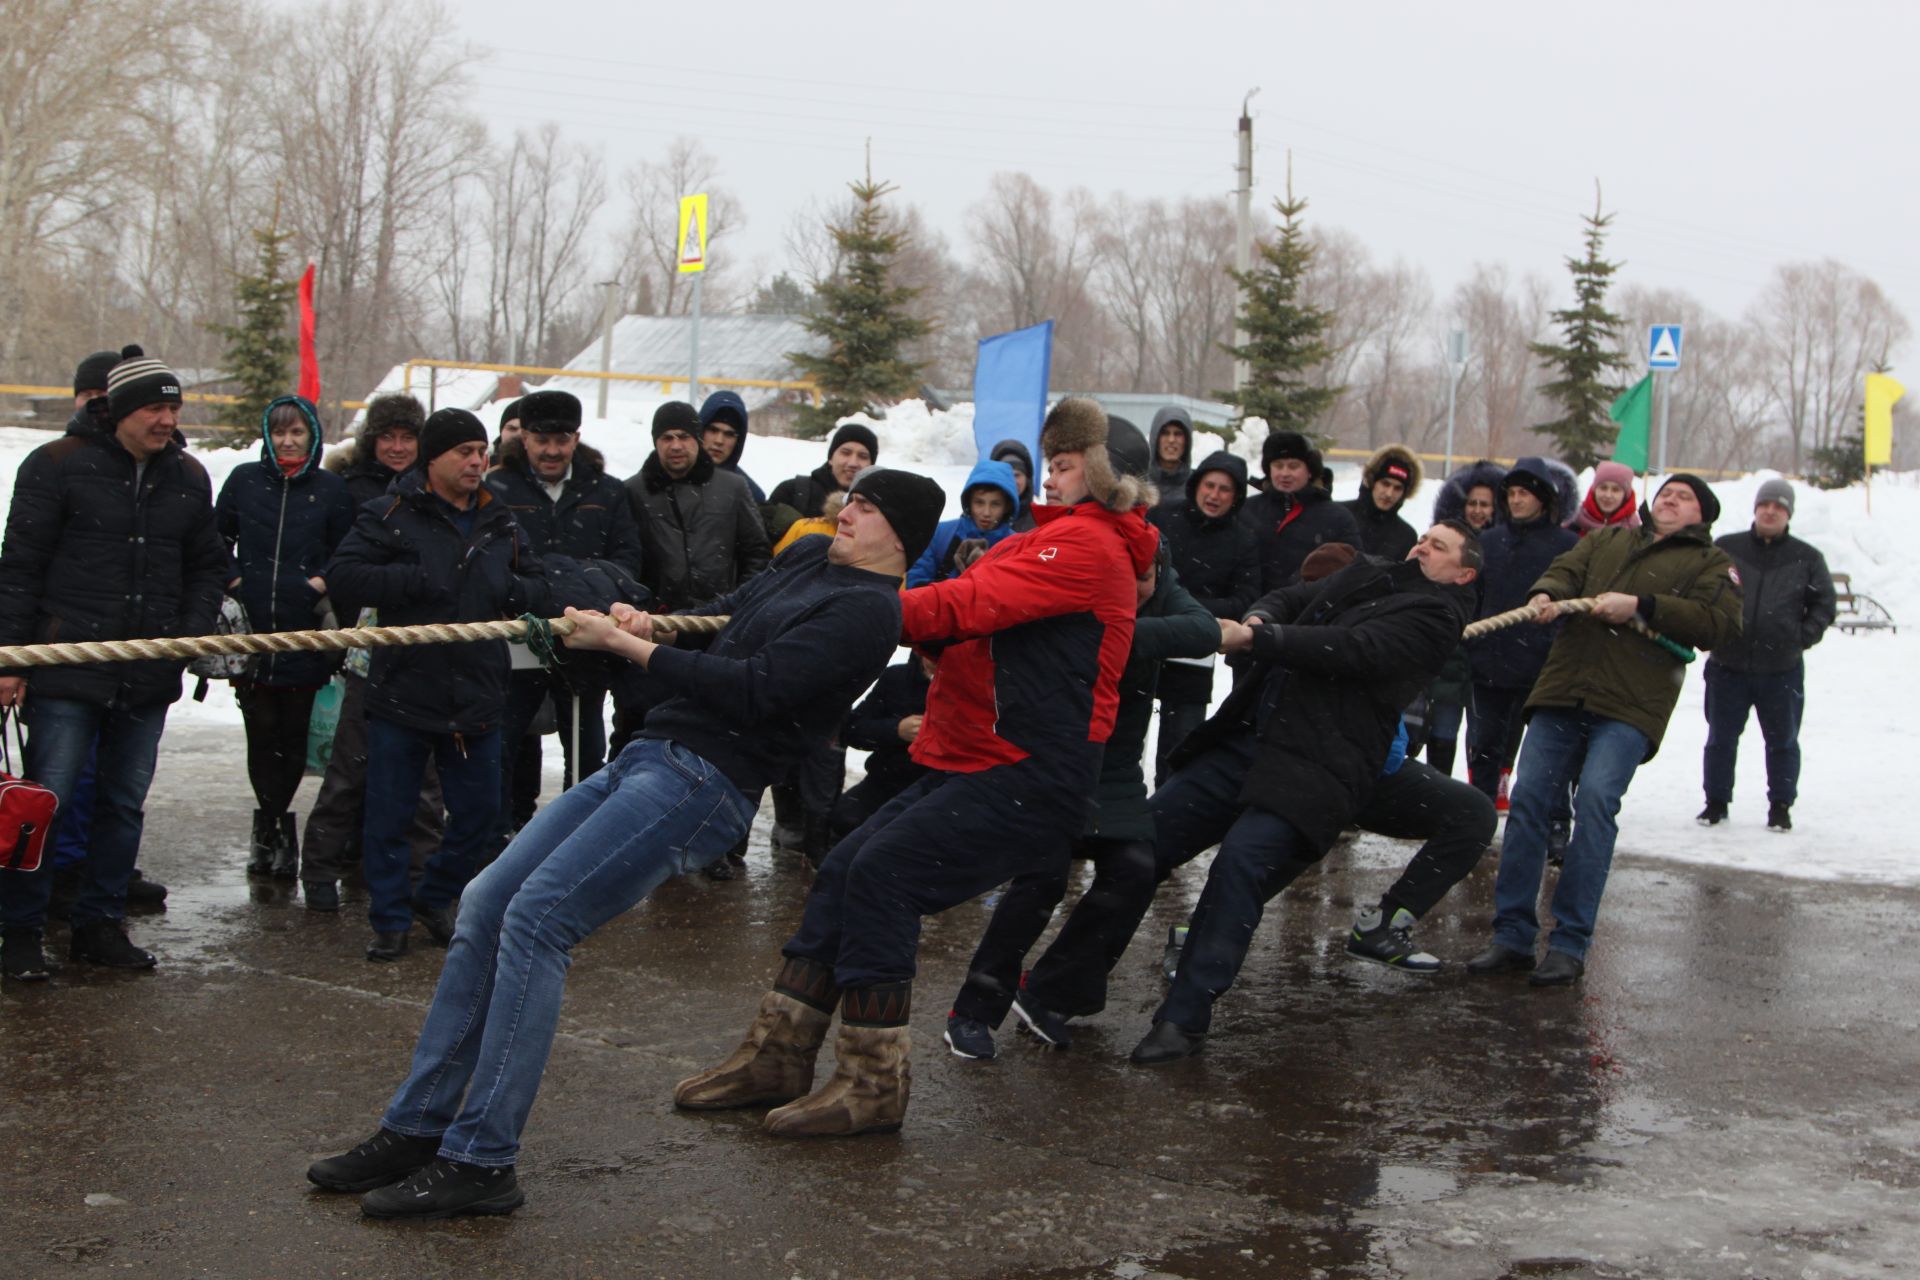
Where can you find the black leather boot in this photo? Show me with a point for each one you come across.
(286, 849)
(261, 849)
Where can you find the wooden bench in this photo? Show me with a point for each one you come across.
(1859, 611)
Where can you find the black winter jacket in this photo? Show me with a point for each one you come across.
(806, 494)
(592, 520)
(874, 725)
(1288, 526)
(1515, 556)
(1333, 667)
(284, 530)
(1787, 602)
(701, 535)
(1382, 533)
(407, 558)
(1216, 560)
(88, 556)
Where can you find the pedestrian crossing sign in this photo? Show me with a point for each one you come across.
(1663, 346)
(693, 233)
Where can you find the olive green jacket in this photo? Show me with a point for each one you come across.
(1693, 593)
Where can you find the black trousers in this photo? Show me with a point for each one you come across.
(276, 719)
(1077, 985)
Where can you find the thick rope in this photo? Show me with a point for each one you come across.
(1584, 604)
(176, 648)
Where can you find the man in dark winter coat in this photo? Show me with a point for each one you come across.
(385, 447)
(723, 434)
(803, 640)
(1599, 708)
(566, 505)
(110, 536)
(850, 450)
(1390, 477)
(1214, 556)
(1117, 840)
(1336, 660)
(1035, 636)
(439, 548)
(884, 725)
(1787, 605)
(1172, 437)
(1294, 514)
(700, 532)
(1506, 663)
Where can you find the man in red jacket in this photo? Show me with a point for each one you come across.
(1030, 642)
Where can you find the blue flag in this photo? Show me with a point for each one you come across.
(1010, 389)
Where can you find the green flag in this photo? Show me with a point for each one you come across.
(1634, 412)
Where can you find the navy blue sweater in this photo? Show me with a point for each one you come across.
(807, 636)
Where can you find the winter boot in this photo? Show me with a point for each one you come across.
(1713, 815)
(22, 957)
(148, 894)
(774, 1064)
(1506, 785)
(1778, 819)
(286, 849)
(104, 942)
(1388, 939)
(872, 1077)
(264, 835)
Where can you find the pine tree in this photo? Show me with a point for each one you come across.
(260, 345)
(863, 319)
(1587, 355)
(1286, 335)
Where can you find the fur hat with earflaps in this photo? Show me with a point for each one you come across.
(1079, 425)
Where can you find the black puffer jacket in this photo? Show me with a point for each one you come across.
(88, 556)
(591, 521)
(1384, 533)
(1216, 560)
(1288, 526)
(700, 536)
(408, 558)
(1786, 602)
(1515, 556)
(806, 494)
(1334, 665)
(874, 725)
(365, 477)
(284, 530)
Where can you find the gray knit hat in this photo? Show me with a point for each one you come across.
(1775, 490)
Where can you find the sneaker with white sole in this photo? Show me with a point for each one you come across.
(1389, 941)
(970, 1038)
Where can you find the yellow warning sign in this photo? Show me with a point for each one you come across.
(693, 233)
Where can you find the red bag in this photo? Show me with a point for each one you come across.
(26, 811)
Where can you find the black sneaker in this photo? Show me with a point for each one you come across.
(1499, 959)
(1167, 1042)
(1050, 1027)
(1170, 958)
(1389, 942)
(1778, 819)
(1559, 836)
(1713, 815)
(437, 921)
(445, 1189)
(969, 1038)
(22, 957)
(387, 946)
(385, 1157)
(147, 894)
(104, 942)
(322, 895)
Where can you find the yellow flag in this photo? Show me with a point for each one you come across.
(1882, 392)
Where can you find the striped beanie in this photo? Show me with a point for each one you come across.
(135, 384)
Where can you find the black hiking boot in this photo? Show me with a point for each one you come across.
(104, 942)
(322, 895)
(260, 848)
(1389, 941)
(445, 1189)
(22, 957)
(145, 894)
(1778, 819)
(1713, 815)
(387, 946)
(384, 1158)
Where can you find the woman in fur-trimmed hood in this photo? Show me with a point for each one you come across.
(1390, 477)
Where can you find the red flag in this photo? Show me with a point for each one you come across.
(309, 361)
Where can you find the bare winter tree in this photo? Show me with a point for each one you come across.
(650, 247)
(1821, 327)
(1498, 392)
(543, 198)
(1037, 263)
(1719, 416)
(1382, 342)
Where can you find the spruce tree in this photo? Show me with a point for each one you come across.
(260, 344)
(1286, 335)
(1588, 359)
(863, 319)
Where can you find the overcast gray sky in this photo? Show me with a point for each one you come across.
(1728, 137)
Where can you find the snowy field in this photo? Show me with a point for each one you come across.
(1856, 744)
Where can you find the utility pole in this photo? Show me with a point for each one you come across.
(1456, 365)
(608, 304)
(1243, 231)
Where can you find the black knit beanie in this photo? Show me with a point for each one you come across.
(1709, 504)
(1540, 486)
(137, 383)
(911, 503)
(550, 411)
(676, 415)
(1288, 444)
(446, 429)
(92, 372)
(854, 433)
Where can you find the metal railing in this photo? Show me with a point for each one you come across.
(666, 381)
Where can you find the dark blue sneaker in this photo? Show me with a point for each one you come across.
(1049, 1027)
(446, 1189)
(969, 1038)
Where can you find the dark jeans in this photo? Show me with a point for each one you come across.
(60, 734)
(1778, 698)
(1493, 743)
(1094, 942)
(396, 767)
(74, 827)
(276, 721)
(525, 692)
(946, 839)
(332, 839)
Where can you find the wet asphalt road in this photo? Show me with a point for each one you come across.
(1731, 1093)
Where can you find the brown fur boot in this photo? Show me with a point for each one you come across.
(871, 1080)
(774, 1063)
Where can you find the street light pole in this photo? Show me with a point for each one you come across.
(612, 288)
(1456, 365)
(1243, 231)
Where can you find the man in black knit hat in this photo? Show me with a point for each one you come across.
(1293, 515)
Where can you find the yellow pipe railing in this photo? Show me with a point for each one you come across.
(666, 380)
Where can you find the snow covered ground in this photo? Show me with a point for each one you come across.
(1855, 740)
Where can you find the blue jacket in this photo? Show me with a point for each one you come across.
(936, 562)
(408, 558)
(1516, 554)
(284, 530)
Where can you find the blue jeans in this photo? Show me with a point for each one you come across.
(1563, 746)
(1778, 698)
(657, 810)
(61, 733)
(396, 770)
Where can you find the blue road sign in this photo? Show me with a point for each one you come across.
(1663, 346)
